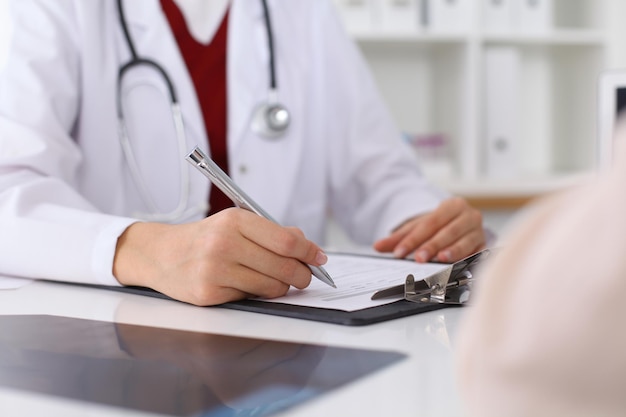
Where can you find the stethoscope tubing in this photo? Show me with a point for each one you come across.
(270, 45)
(264, 122)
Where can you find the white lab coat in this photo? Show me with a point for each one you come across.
(65, 191)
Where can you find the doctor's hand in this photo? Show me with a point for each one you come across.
(450, 233)
(231, 255)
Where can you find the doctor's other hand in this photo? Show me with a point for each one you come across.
(451, 232)
(231, 255)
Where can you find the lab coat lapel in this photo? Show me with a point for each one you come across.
(247, 57)
(265, 168)
(154, 40)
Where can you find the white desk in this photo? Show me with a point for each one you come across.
(422, 384)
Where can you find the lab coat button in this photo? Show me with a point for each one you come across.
(243, 169)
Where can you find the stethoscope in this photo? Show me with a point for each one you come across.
(270, 119)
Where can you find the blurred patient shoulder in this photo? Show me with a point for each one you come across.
(544, 336)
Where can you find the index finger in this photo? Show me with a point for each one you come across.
(427, 226)
(284, 241)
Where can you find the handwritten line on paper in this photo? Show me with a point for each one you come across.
(357, 278)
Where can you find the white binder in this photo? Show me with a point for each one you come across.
(399, 16)
(357, 15)
(498, 16)
(502, 105)
(447, 16)
(535, 16)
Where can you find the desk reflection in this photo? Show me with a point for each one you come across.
(171, 372)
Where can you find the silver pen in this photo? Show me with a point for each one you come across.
(222, 181)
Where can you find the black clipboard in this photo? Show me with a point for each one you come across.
(372, 315)
(395, 310)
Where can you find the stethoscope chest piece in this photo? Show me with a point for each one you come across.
(271, 120)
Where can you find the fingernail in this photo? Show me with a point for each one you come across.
(399, 252)
(445, 256)
(321, 258)
(422, 256)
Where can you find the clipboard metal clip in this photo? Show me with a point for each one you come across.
(451, 285)
(440, 289)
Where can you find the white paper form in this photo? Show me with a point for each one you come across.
(357, 277)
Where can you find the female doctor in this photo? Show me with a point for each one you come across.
(100, 101)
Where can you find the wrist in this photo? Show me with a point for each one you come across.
(133, 263)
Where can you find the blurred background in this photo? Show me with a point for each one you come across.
(498, 98)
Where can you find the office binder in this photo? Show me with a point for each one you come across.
(357, 15)
(445, 16)
(499, 15)
(502, 108)
(535, 16)
(398, 16)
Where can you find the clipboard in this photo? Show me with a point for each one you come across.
(378, 314)
(395, 310)
(441, 290)
(447, 288)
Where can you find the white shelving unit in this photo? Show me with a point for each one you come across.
(434, 80)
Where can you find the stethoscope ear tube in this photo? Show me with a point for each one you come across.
(270, 119)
